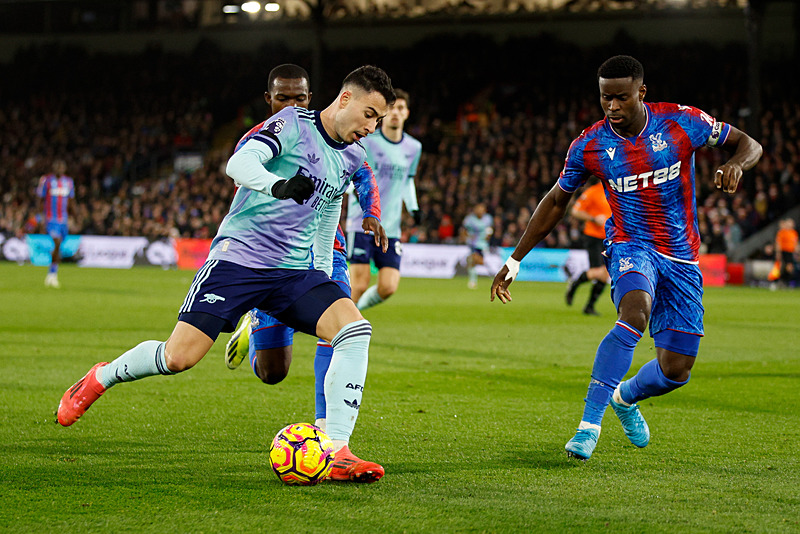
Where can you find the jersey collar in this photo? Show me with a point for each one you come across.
(328, 139)
(389, 140)
(644, 128)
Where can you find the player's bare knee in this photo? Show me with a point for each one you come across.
(636, 318)
(177, 361)
(677, 370)
(634, 309)
(385, 292)
(359, 287)
(272, 376)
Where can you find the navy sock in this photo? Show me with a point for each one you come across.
(648, 382)
(613, 359)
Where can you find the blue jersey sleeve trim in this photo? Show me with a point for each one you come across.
(270, 140)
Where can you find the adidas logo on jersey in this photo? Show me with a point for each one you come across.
(645, 179)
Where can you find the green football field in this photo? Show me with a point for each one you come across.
(467, 405)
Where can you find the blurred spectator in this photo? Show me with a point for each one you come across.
(786, 248)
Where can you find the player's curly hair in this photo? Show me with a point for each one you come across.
(621, 67)
(371, 79)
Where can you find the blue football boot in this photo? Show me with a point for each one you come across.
(582, 445)
(633, 423)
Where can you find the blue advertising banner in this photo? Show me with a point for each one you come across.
(41, 247)
(541, 264)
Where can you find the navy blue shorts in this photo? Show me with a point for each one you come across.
(227, 290)
(361, 248)
(269, 333)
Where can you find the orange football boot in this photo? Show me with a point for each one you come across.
(80, 396)
(349, 467)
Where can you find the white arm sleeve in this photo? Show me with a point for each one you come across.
(326, 233)
(246, 167)
(410, 196)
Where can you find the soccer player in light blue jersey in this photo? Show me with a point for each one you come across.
(478, 227)
(55, 190)
(292, 176)
(261, 338)
(643, 154)
(394, 158)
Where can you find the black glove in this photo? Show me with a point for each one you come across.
(417, 214)
(299, 188)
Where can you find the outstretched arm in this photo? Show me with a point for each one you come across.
(549, 211)
(746, 153)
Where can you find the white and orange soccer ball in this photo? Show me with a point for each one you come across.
(301, 454)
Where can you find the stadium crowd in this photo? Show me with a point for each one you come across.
(120, 122)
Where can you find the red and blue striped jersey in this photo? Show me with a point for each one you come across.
(648, 179)
(56, 192)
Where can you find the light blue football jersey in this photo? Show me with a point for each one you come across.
(478, 230)
(261, 231)
(394, 165)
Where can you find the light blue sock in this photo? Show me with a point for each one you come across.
(613, 359)
(344, 381)
(473, 275)
(648, 382)
(322, 361)
(143, 360)
(369, 299)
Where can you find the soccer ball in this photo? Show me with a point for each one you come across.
(301, 454)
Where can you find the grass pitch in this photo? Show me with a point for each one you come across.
(467, 405)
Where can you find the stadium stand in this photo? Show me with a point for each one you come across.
(494, 129)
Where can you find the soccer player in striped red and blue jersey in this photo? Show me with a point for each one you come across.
(643, 155)
(56, 189)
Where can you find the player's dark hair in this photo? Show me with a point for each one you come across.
(287, 71)
(371, 79)
(621, 67)
(402, 95)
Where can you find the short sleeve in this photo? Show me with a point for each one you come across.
(574, 173)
